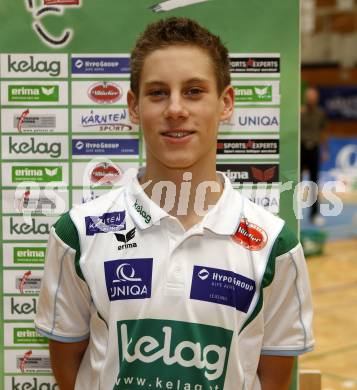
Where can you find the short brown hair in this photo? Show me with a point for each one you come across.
(179, 31)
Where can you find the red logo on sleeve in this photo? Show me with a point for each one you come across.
(250, 236)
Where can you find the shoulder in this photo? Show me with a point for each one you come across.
(68, 226)
(101, 204)
(66, 231)
(282, 238)
(258, 215)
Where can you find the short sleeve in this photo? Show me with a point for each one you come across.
(64, 305)
(287, 308)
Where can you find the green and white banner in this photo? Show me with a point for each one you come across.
(66, 136)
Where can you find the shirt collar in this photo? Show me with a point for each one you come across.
(223, 218)
(225, 215)
(142, 209)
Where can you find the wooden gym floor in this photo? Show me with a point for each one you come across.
(334, 288)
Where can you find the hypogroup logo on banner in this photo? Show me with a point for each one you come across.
(105, 147)
(94, 65)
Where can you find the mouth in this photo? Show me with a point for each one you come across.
(177, 133)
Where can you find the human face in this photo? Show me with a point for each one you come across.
(179, 108)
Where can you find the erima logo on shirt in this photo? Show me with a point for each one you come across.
(128, 279)
(173, 354)
(125, 238)
(106, 223)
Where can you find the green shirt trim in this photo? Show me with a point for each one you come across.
(285, 242)
(67, 232)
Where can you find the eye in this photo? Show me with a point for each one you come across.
(194, 91)
(157, 93)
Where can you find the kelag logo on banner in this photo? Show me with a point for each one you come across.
(34, 65)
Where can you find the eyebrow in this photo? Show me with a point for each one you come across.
(193, 80)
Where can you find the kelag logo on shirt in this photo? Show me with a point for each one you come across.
(163, 354)
(128, 279)
(223, 287)
(106, 223)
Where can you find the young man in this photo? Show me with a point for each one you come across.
(207, 291)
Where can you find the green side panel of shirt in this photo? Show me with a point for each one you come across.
(284, 243)
(67, 232)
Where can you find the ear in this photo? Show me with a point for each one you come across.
(133, 107)
(227, 103)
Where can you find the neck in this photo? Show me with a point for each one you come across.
(186, 193)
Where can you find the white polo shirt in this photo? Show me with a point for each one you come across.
(166, 308)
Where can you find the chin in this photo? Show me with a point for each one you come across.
(178, 163)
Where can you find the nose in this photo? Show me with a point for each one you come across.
(176, 107)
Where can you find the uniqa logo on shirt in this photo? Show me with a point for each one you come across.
(172, 354)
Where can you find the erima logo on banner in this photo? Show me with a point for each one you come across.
(36, 174)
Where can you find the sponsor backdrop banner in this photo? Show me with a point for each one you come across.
(66, 137)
